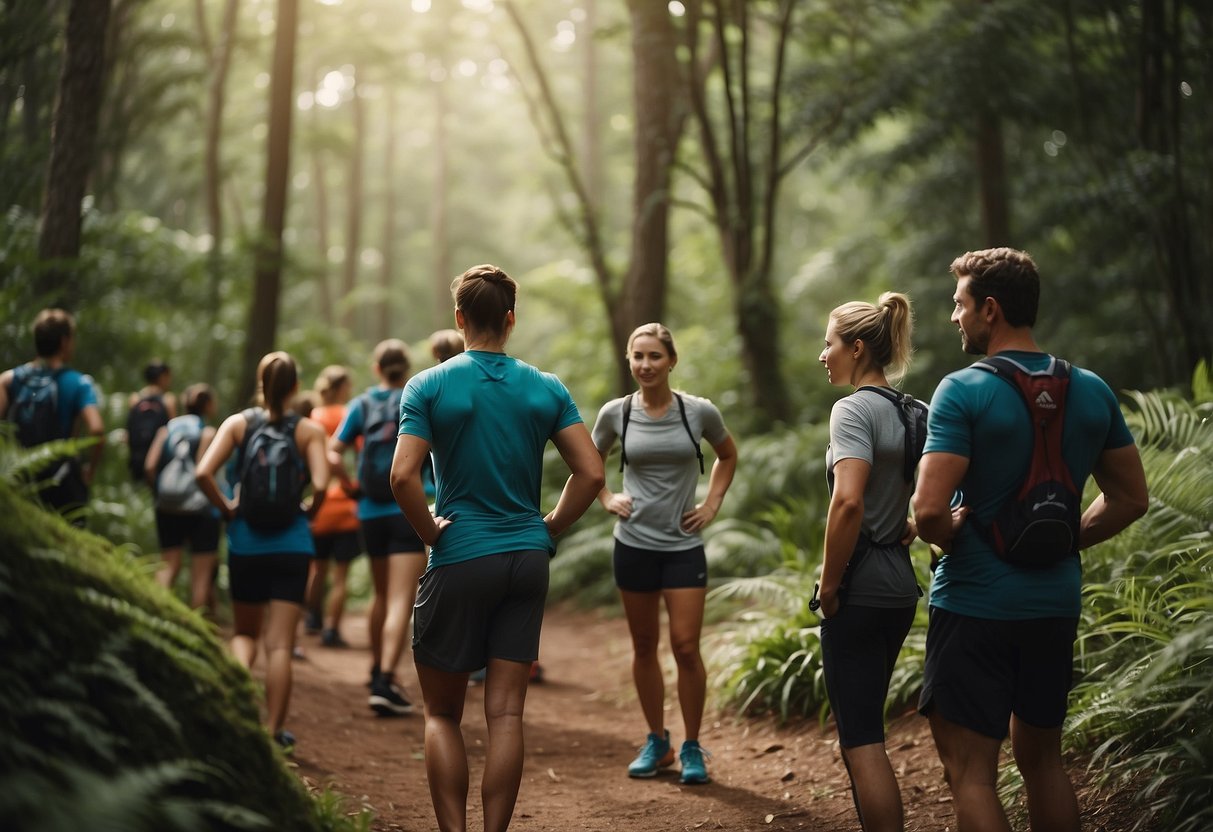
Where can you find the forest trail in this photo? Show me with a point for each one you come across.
(583, 726)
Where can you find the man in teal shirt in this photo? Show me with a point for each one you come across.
(1001, 637)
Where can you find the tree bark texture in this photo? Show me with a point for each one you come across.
(353, 213)
(73, 142)
(387, 273)
(440, 235)
(992, 182)
(267, 270)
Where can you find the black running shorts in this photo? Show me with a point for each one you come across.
(646, 570)
(256, 579)
(199, 531)
(979, 671)
(859, 647)
(340, 546)
(489, 607)
(390, 535)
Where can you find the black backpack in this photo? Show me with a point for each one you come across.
(272, 472)
(380, 426)
(1038, 526)
(35, 405)
(177, 491)
(627, 417)
(144, 419)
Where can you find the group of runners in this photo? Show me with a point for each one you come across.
(450, 517)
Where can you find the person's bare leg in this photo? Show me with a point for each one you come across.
(446, 762)
(877, 796)
(378, 613)
(317, 577)
(1052, 805)
(685, 607)
(404, 571)
(280, 625)
(202, 566)
(970, 763)
(337, 594)
(170, 566)
(505, 689)
(643, 611)
(247, 627)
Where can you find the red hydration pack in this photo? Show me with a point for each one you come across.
(1038, 526)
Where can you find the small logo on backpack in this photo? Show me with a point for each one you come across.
(1045, 400)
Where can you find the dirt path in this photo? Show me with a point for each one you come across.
(583, 727)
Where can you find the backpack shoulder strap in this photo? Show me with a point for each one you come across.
(908, 411)
(623, 433)
(682, 411)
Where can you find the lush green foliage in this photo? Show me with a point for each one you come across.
(120, 701)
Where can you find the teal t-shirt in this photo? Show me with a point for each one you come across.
(974, 414)
(487, 417)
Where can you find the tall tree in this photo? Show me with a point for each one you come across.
(219, 55)
(745, 161)
(262, 327)
(73, 140)
(387, 272)
(639, 296)
(353, 209)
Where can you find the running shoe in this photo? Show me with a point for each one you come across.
(313, 624)
(694, 770)
(387, 699)
(656, 753)
(329, 637)
(286, 741)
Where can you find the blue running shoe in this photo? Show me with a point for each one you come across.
(655, 754)
(694, 770)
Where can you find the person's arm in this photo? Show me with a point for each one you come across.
(585, 481)
(204, 442)
(843, 521)
(170, 405)
(94, 426)
(618, 504)
(411, 452)
(152, 461)
(1123, 496)
(6, 381)
(336, 462)
(227, 439)
(314, 447)
(939, 475)
(719, 481)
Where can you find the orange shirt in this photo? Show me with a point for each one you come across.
(339, 512)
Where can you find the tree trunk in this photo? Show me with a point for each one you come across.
(659, 113)
(440, 242)
(387, 273)
(591, 117)
(73, 141)
(353, 212)
(320, 190)
(992, 182)
(267, 270)
(221, 60)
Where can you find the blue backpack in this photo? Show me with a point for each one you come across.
(272, 472)
(380, 426)
(35, 405)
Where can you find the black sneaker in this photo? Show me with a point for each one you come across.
(387, 699)
(286, 741)
(329, 637)
(313, 623)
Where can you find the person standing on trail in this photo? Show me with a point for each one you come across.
(184, 516)
(659, 553)
(868, 591)
(1000, 641)
(396, 552)
(46, 400)
(487, 418)
(148, 410)
(278, 454)
(335, 527)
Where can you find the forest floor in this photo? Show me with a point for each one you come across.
(583, 726)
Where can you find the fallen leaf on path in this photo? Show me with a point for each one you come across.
(772, 748)
(554, 776)
(788, 776)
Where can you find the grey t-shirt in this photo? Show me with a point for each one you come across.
(662, 471)
(866, 426)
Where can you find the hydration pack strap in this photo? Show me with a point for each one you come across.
(627, 416)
